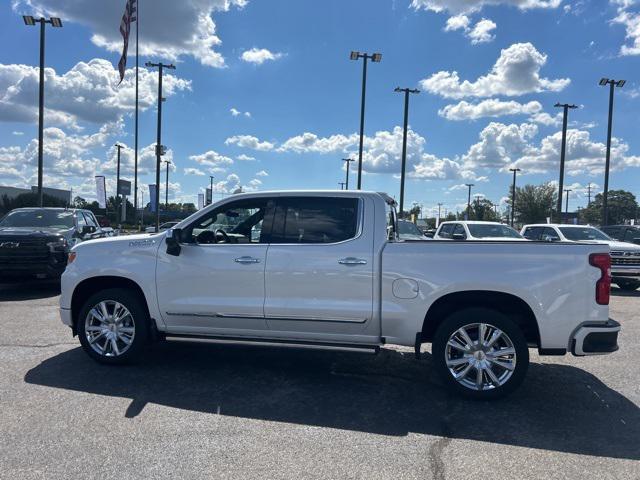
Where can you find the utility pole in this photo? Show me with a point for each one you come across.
(406, 92)
(566, 209)
(160, 149)
(342, 184)
(56, 23)
(438, 220)
(348, 160)
(119, 213)
(612, 84)
(166, 189)
(469, 185)
(211, 177)
(376, 57)
(513, 194)
(589, 194)
(565, 110)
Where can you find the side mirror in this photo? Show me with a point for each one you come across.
(87, 230)
(548, 238)
(458, 236)
(173, 238)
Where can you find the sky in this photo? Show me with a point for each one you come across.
(265, 97)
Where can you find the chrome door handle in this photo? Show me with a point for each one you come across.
(352, 261)
(247, 260)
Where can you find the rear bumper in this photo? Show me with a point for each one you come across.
(595, 338)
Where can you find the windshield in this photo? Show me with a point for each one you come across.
(39, 218)
(583, 233)
(479, 230)
(405, 227)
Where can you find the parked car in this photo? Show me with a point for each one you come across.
(476, 230)
(34, 242)
(328, 271)
(625, 257)
(163, 227)
(623, 233)
(409, 231)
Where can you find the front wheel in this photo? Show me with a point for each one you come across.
(480, 353)
(628, 285)
(113, 326)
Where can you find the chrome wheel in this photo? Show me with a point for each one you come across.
(109, 328)
(480, 356)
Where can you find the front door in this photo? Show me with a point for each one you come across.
(319, 273)
(216, 284)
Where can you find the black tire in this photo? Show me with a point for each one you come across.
(628, 285)
(138, 317)
(471, 317)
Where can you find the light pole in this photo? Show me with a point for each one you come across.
(566, 208)
(612, 84)
(211, 177)
(376, 57)
(119, 214)
(438, 220)
(469, 185)
(513, 194)
(565, 112)
(160, 150)
(56, 23)
(166, 188)
(589, 194)
(406, 92)
(341, 185)
(348, 161)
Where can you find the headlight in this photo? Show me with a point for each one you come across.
(59, 244)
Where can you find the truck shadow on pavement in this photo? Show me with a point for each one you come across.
(559, 407)
(29, 290)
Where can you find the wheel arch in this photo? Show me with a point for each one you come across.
(510, 305)
(89, 286)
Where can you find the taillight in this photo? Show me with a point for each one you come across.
(603, 285)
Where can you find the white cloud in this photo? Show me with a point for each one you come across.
(479, 33)
(245, 158)
(469, 6)
(500, 145)
(249, 141)
(310, 142)
(631, 22)
(235, 113)
(259, 55)
(88, 92)
(262, 173)
(169, 29)
(17, 133)
(212, 158)
(543, 118)
(193, 171)
(516, 72)
(488, 108)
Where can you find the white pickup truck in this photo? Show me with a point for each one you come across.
(325, 269)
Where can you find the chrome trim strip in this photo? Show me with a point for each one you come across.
(251, 316)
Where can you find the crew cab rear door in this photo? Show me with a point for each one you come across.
(319, 270)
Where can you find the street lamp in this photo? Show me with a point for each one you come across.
(56, 23)
(513, 194)
(612, 84)
(469, 185)
(160, 150)
(565, 108)
(566, 209)
(211, 177)
(166, 189)
(118, 214)
(348, 161)
(406, 92)
(376, 58)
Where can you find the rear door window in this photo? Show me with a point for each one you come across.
(446, 230)
(533, 233)
(315, 220)
(550, 234)
(459, 229)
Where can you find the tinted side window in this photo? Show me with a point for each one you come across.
(90, 220)
(445, 230)
(533, 233)
(631, 234)
(81, 220)
(551, 234)
(315, 220)
(614, 232)
(459, 229)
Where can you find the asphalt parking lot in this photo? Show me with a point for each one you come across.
(211, 411)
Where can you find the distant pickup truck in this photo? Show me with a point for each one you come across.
(326, 269)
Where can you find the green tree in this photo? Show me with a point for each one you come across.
(534, 203)
(483, 209)
(622, 206)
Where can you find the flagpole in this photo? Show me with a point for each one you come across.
(135, 174)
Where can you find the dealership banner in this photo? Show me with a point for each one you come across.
(101, 191)
(200, 201)
(152, 197)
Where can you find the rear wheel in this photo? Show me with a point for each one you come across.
(113, 326)
(480, 353)
(627, 284)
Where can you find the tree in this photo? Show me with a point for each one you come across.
(622, 206)
(534, 203)
(483, 209)
(79, 202)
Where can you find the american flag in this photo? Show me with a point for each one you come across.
(125, 28)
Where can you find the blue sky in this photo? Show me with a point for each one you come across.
(287, 64)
